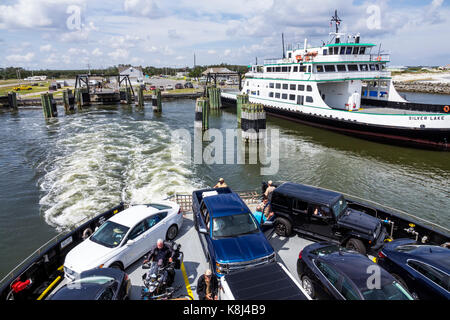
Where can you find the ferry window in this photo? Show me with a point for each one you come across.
(363, 67)
(300, 100)
(372, 67)
(336, 50)
(309, 68)
(352, 67)
(295, 69)
(269, 69)
(271, 85)
(355, 50)
(349, 50)
(285, 86)
(292, 97)
(383, 67)
(292, 87)
(362, 50)
(308, 88)
(302, 69)
(325, 52)
(270, 94)
(301, 87)
(284, 69)
(290, 55)
(319, 68)
(277, 95)
(309, 99)
(342, 50)
(330, 68)
(377, 67)
(278, 69)
(278, 85)
(284, 96)
(341, 68)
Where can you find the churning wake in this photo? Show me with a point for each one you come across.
(98, 161)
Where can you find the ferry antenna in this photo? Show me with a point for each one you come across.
(336, 20)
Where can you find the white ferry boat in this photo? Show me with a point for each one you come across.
(345, 86)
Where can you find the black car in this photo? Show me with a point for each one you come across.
(330, 272)
(179, 86)
(324, 215)
(188, 85)
(423, 269)
(96, 284)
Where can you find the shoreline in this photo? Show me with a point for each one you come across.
(423, 87)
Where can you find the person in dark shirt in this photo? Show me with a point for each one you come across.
(208, 286)
(162, 254)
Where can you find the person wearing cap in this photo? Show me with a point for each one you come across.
(221, 184)
(208, 286)
(269, 190)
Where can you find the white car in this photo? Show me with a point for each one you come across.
(169, 87)
(124, 238)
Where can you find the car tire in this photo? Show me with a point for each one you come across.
(117, 265)
(308, 286)
(172, 232)
(283, 227)
(356, 245)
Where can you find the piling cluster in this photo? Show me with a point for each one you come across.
(240, 100)
(68, 100)
(215, 100)
(253, 122)
(202, 113)
(156, 100)
(49, 105)
(82, 98)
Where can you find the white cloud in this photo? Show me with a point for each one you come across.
(97, 52)
(17, 58)
(46, 48)
(119, 54)
(212, 51)
(147, 8)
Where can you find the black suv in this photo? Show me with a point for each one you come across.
(324, 215)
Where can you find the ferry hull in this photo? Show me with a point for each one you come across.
(432, 139)
(435, 139)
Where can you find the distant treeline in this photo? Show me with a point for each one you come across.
(14, 73)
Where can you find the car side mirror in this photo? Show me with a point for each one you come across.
(130, 242)
(203, 230)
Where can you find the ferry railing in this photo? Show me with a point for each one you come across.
(351, 57)
(185, 200)
(349, 75)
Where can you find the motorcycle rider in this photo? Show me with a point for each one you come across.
(162, 253)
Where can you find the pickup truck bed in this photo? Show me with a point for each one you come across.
(266, 282)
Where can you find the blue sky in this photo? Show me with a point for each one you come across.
(69, 34)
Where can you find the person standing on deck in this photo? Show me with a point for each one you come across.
(208, 286)
(269, 190)
(221, 184)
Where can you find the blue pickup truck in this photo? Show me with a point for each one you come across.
(230, 235)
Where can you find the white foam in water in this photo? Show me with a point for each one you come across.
(100, 162)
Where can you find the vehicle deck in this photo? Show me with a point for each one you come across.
(195, 264)
(386, 110)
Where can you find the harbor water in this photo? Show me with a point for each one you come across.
(57, 173)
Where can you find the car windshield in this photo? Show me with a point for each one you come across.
(110, 234)
(234, 225)
(391, 291)
(339, 207)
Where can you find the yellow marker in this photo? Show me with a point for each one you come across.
(186, 282)
(115, 211)
(50, 287)
(412, 225)
(374, 260)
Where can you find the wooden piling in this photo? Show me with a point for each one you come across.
(12, 100)
(140, 97)
(129, 96)
(215, 101)
(49, 105)
(156, 100)
(68, 100)
(202, 113)
(253, 122)
(240, 100)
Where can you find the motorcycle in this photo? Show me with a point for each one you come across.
(158, 280)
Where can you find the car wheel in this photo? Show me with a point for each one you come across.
(308, 285)
(283, 227)
(117, 265)
(172, 232)
(356, 245)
